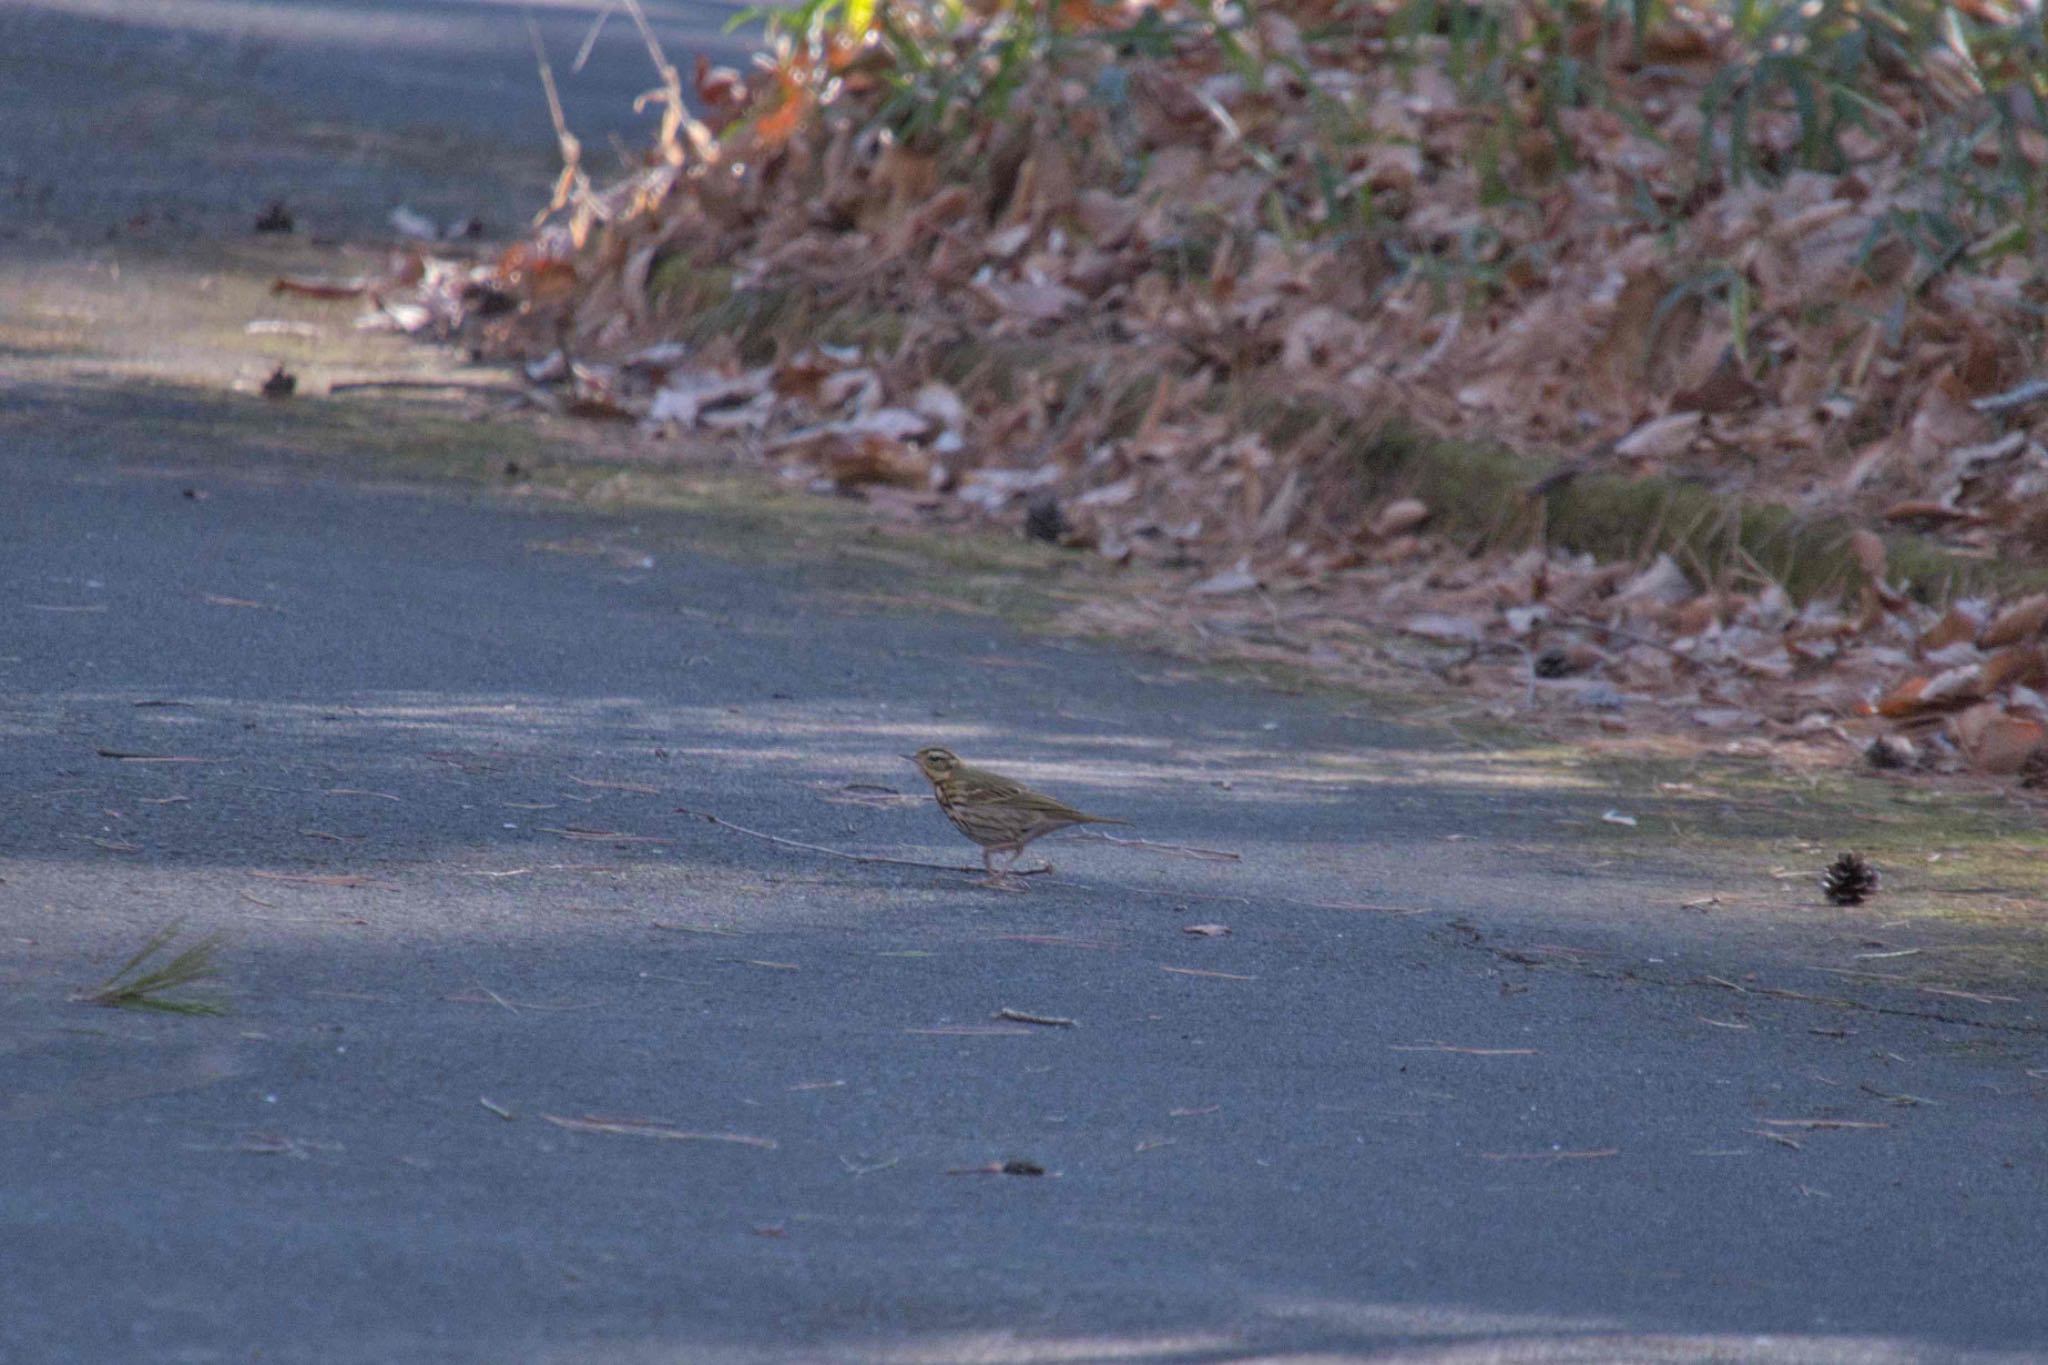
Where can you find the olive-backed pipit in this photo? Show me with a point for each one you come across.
(1000, 814)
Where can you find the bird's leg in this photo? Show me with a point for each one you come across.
(998, 880)
(1017, 856)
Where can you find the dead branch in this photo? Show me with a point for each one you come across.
(428, 386)
(572, 184)
(675, 112)
(1214, 855)
(842, 853)
(1050, 1020)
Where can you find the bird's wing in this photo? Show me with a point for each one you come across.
(1051, 808)
(977, 788)
(987, 788)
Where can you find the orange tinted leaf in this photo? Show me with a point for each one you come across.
(1997, 741)
(1904, 699)
(1869, 550)
(2026, 665)
(2020, 621)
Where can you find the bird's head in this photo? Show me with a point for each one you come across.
(934, 762)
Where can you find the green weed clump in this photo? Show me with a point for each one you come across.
(134, 987)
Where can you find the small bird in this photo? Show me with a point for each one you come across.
(998, 813)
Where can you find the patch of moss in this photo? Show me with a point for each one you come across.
(1492, 498)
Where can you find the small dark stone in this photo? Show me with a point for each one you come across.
(514, 470)
(1043, 519)
(1890, 751)
(276, 218)
(281, 384)
(1553, 663)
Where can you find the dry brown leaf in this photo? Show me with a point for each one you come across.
(1932, 513)
(1399, 517)
(2022, 620)
(1180, 291)
(1997, 741)
(1869, 549)
(2020, 665)
(857, 461)
(1663, 439)
(1962, 621)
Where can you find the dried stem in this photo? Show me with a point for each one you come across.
(572, 184)
(841, 853)
(1213, 855)
(148, 990)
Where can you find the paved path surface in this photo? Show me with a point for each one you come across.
(1458, 1085)
(176, 119)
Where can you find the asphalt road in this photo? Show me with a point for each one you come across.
(180, 120)
(524, 1064)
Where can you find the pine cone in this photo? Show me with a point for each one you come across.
(1848, 881)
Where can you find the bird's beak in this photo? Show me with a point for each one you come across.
(911, 757)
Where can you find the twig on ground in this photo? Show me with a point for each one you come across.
(338, 879)
(868, 1168)
(1214, 855)
(427, 386)
(654, 1128)
(1974, 996)
(507, 1005)
(969, 1031)
(321, 289)
(125, 757)
(1581, 622)
(639, 788)
(2033, 391)
(1889, 1098)
(1051, 1020)
(842, 853)
(1011, 1167)
(486, 996)
(1184, 896)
